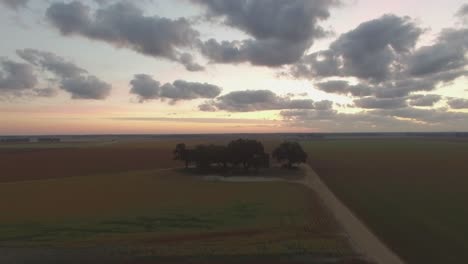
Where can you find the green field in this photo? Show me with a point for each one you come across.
(155, 212)
(412, 193)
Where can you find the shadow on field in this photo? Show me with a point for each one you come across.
(274, 172)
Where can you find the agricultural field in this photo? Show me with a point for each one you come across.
(412, 193)
(131, 201)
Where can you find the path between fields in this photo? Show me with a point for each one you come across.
(363, 240)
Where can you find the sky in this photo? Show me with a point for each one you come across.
(223, 66)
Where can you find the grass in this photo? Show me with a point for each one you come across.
(120, 198)
(167, 214)
(412, 193)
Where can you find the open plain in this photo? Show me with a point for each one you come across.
(130, 201)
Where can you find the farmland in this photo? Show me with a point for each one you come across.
(129, 198)
(411, 192)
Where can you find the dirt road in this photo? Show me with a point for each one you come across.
(365, 242)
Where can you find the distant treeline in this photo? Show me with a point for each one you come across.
(246, 153)
(15, 140)
(28, 140)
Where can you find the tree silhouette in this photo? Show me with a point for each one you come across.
(182, 153)
(291, 152)
(249, 153)
(244, 151)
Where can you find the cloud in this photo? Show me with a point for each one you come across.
(146, 88)
(447, 54)
(182, 90)
(207, 107)
(383, 120)
(16, 77)
(424, 100)
(341, 122)
(259, 100)
(86, 87)
(199, 120)
(14, 4)
(381, 58)
(280, 31)
(188, 61)
(269, 52)
(317, 65)
(463, 13)
(51, 62)
(368, 52)
(123, 24)
(45, 92)
(343, 87)
(429, 116)
(458, 103)
(71, 78)
(379, 103)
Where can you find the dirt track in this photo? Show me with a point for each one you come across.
(365, 242)
(362, 239)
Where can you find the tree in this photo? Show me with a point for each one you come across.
(291, 152)
(249, 153)
(244, 151)
(182, 153)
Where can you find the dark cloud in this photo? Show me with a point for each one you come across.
(182, 90)
(16, 77)
(429, 116)
(381, 55)
(406, 86)
(70, 77)
(281, 31)
(259, 100)
(188, 61)
(436, 58)
(342, 122)
(207, 107)
(14, 4)
(379, 103)
(51, 62)
(343, 87)
(45, 92)
(324, 105)
(123, 24)
(458, 103)
(447, 54)
(86, 87)
(463, 13)
(387, 120)
(424, 100)
(270, 52)
(368, 52)
(146, 88)
(317, 65)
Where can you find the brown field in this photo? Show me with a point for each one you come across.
(21, 164)
(120, 197)
(411, 193)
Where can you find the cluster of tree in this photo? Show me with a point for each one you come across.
(242, 152)
(248, 153)
(291, 153)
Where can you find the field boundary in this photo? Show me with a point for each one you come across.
(366, 243)
(361, 237)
